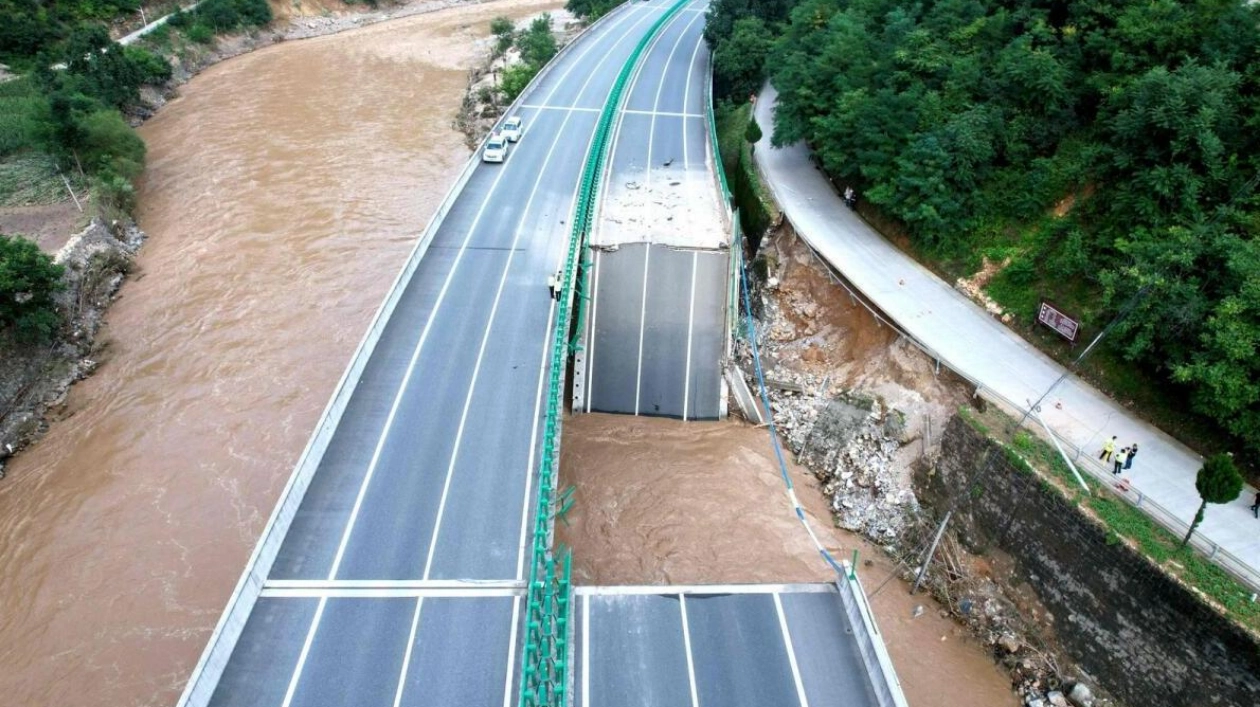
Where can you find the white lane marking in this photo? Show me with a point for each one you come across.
(406, 381)
(533, 443)
(306, 650)
(691, 665)
(787, 641)
(411, 642)
(590, 354)
(663, 113)
(415, 356)
(393, 584)
(632, 84)
(586, 652)
(391, 592)
(691, 319)
(450, 276)
(511, 659)
(494, 310)
(687, 96)
(571, 109)
(656, 103)
(704, 589)
(638, 381)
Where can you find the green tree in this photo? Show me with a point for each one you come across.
(514, 80)
(739, 61)
(1218, 481)
(537, 44)
(28, 280)
(502, 29)
(752, 134)
(591, 9)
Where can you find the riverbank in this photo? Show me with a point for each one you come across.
(35, 379)
(283, 191)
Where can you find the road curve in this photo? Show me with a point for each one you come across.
(398, 581)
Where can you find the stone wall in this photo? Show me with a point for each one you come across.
(1143, 636)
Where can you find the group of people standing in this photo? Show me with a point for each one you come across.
(1122, 460)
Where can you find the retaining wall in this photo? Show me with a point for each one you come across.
(1145, 637)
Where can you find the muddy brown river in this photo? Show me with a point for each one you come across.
(284, 189)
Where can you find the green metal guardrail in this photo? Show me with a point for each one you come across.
(545, 658)
(713, 142)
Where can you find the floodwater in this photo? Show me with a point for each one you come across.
(659, 501)
(283, 192)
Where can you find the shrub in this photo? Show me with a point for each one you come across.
(28, 280)
(514, 80)
(200, 34)
(502, 29)
(151, 67)
(110, 145)
(114, 194)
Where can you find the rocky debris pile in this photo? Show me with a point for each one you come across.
(35, 379)
(849, 441)
(974, 286)
(1078, 696)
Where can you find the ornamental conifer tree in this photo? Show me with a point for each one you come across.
(1218, 482)
(753, 133)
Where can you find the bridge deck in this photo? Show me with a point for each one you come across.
(759, 646)
(399, 580)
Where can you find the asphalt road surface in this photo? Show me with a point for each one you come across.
(656, 331)
(739, 646)
(400, 580)
(428, 476)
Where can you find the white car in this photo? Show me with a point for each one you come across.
(513, 128)
(495, 150)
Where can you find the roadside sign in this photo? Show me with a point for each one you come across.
(1066, 326)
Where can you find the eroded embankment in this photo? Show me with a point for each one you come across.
(660, 501)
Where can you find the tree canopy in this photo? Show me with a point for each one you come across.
(1218, 481)
(28, 280)
(1109, 146)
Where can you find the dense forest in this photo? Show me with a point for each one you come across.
(1107, 151)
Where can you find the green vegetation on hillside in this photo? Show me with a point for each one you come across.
(213, 17)
(1098, 148)
(31, 27)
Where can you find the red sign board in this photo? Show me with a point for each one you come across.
(1060, 322)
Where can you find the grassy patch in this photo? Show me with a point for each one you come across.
(751, 196)
(31, 178)
(1123, 521)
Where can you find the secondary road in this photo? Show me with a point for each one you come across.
(973, 343)
(656, 332)
(426, 482)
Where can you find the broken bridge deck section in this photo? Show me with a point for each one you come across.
(659, 255)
